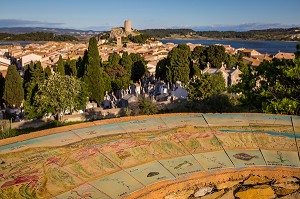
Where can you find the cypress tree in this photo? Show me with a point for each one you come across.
(27, 77)
(47, 72)
(81, 64)
(178, 67)
(73, 68)
(2, 85)
(93, 73)
(13, 91)
(70, 67)
(60, 68)
(37, 77)
(127, 63)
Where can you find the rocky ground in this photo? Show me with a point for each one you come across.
(250, 187)
(242, 183)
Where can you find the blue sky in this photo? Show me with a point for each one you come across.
(196, 14)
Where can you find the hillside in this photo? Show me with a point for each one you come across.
(37, 36)
(291, 34)
(23, 30)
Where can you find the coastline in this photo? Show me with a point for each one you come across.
(224, 39)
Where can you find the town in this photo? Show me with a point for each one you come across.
(149, 100)
(149, 84)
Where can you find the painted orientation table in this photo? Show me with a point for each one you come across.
(117, 157)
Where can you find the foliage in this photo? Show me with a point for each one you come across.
(139, 68)
(273, 87)
(297, 53)
(146, 106)
(114, 58)
(117, 75)
(7, 133)
(70, 67)
(141, 39)
(13, 92)
(35, 77)
(218, 103)
(268, 34)
(205, 86)
(47, 72)
(284, 106)
(2, 86)
(138, 71)
(81, 64)
(178, 64)
(278, 34)
(216, 55)
(127, 63)
(247, 88)
(36, 36)
(161, 69)
(60, 67)
(194, 70)
(197, 53)
(60, 93)
(279, 85)
(93, 73)
(162, 33)
(107, 82)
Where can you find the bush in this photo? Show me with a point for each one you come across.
(218, 103)
(146, 106)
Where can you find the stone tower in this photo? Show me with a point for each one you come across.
(127, 25)
(119, 41)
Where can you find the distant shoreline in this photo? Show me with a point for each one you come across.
(223, 39)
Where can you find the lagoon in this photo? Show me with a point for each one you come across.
(270, 47)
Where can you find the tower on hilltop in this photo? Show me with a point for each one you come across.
(127, 26)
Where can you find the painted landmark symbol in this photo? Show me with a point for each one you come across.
(151, 174)
(183, 165)
(244, 156)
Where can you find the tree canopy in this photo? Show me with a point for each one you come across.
(93, 73)
(60, 67)
(206, 85)
(36, 36)
(13, 92)
(35, 77)
(272, 87)
(60, 93)
(178, 64)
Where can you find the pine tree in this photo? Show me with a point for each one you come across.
(13, 91)
(93, 74)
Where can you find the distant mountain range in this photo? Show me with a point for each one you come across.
(273, 34)
(22, 30)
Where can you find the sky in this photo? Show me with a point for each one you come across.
(149, 14)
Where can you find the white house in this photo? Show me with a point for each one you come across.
(151, 66)
(4, 63)
(231, 76)
(26, 59)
